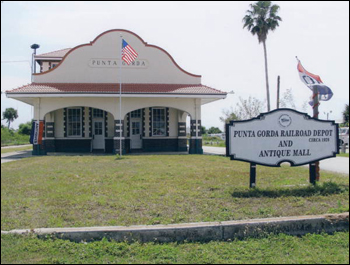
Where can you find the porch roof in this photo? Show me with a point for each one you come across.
(101, 88)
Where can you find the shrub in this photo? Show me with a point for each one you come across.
(25, 128)
(10, 137)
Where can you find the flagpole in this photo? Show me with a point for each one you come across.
(316, 104)
(120, 97)
(314, 168)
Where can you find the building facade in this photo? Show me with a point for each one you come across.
(91, 101)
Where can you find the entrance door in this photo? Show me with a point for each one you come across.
(136, 137)
(98, 142)
(98, 130)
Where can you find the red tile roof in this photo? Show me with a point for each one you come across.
(98, 88)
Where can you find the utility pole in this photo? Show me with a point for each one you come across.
(278, 92)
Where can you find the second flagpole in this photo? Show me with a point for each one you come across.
(316, 104)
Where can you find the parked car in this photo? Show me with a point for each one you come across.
(222, 136)
(344, 135)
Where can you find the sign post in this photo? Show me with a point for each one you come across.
(313, 173)
(279, 136)
(252, 175)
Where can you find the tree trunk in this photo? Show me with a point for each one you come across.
(267, 78)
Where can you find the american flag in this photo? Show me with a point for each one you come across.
(128, 53)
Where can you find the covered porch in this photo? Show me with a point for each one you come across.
(95, 118)
(86, 129)
(92, 125)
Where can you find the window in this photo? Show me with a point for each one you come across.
(98, 113)
(98, 128)
(74, 122)
(136, 114)
(159, 122)
(52, 65)
(135, 126)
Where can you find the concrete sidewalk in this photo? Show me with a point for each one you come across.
(200, 232)
(336, 164)
(15, 146)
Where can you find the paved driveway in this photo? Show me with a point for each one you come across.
(16, 146)
(13, 156)
(336, 164)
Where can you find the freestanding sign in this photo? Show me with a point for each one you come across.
(282, 135)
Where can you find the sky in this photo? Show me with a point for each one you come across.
(205, 38)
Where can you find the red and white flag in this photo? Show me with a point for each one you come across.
(312, 80)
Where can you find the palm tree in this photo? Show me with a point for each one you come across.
(259, 20)
(10, 114)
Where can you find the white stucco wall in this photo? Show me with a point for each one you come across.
(147, 122)
(173, 122)
(111, 105)
(59, 124)
(78, 66)
(110, 121)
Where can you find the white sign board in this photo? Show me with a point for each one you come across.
(282, 135)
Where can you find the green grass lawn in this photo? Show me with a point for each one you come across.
(79, 191)
(275, 249)
(343, 155)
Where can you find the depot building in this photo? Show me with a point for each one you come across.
(77, 96)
